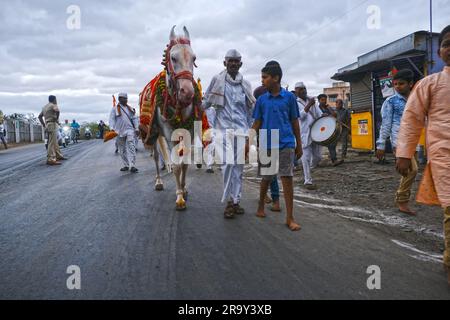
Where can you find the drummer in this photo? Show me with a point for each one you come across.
(324, 107)
(343, 117)
(309, 112)
(328, 111)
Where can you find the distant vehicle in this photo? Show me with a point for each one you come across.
(87, 133)
(74, 135)
(66, 135)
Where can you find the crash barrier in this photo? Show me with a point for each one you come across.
(18, 131)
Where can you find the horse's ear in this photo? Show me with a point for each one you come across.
(172, 34)
(186, 33)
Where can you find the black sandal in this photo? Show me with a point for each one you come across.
(229, 211)
(238, 209)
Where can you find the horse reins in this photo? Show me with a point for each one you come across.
(173, 76)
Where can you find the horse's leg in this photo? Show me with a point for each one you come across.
(180, 203)
(184, 168)
(165, 153)
(165, 140)
(159, 186)
(166, 131)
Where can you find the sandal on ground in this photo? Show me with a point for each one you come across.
(229, 211)
(238, 209)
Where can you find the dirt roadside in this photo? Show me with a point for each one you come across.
(362, 191)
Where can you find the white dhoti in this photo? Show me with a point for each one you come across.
(233, 160)
(210, 154)
(307, 159)
(316, 155)
(127, 150)
(232, 182)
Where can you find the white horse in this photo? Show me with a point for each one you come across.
(179, 108)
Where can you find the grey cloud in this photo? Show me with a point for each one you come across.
(120, 44)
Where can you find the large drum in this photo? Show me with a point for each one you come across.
(326, 130)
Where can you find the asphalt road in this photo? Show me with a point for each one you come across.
(130, 243)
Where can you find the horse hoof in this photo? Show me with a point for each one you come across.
(159, 187)
(181, 205)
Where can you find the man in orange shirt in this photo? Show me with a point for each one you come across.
(430, 100)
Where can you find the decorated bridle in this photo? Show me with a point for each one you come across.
(186, 74)
(165, 86)
(172, 75)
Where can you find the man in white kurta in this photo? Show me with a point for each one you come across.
(309, 112)
(232, 98)
(124, 122)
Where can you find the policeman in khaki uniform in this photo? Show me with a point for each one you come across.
(51, 114)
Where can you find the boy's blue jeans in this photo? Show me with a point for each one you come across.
(274, 189)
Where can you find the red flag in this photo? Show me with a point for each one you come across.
(393, 72)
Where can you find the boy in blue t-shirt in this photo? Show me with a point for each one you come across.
(277, 110)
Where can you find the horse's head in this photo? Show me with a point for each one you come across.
(180, 62)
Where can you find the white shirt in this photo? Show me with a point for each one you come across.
(307, 119)
(235, 114)
(122, 124)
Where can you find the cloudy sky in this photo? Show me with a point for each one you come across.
(119, 44)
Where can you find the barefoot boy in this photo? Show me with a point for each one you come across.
(277, 110)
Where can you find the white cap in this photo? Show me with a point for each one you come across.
(233, 54)
(300, 85)
(123, 95)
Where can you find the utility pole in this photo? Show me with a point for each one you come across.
(430, 57)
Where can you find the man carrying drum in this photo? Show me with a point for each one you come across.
(343, 117)
(327, 111)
